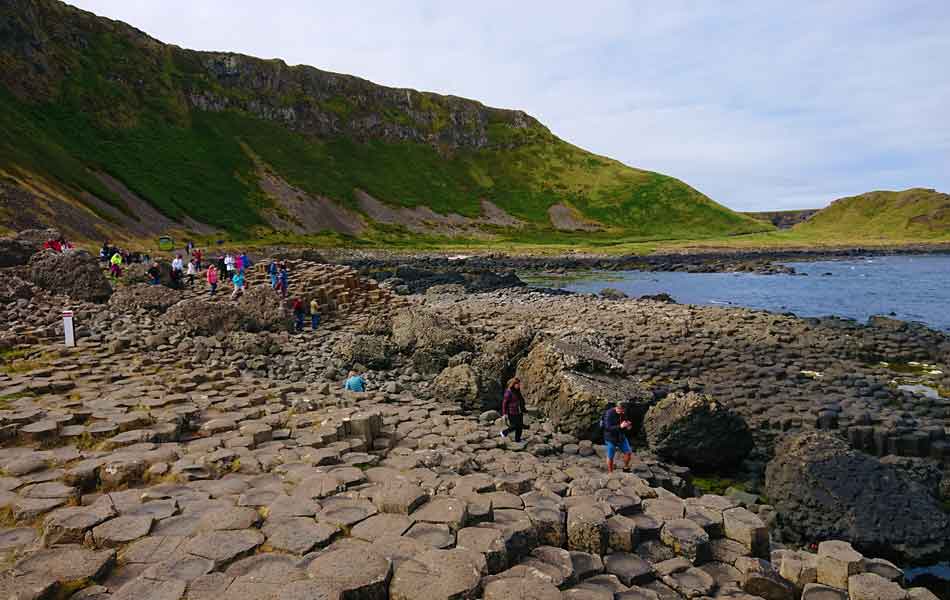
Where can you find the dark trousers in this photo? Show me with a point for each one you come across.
(516, 424)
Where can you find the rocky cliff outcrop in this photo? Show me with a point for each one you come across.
(823, 489)
(571, 379)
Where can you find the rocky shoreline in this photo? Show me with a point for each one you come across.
(192, 447)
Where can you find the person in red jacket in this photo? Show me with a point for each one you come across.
(513, 409)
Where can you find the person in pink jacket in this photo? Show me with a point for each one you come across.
(212, 277)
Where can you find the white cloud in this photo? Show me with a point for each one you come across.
(761, 105)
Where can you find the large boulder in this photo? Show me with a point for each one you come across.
(479, 382)
(824, 489)
(200, 316)
(432, 336)
(12, 288)
(694, 430)
(263, 310)
(372, 351)
(458, 383)
(143, 296)
(15, 252)
(75, 274)
(572, 379)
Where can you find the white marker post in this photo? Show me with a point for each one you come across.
(68, 328)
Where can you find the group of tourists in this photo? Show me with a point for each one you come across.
(57, 245)
(117, 258)
(614, 423)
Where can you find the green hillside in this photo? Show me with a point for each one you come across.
(182, 129)
(911, 214)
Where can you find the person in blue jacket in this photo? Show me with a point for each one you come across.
(355, 383)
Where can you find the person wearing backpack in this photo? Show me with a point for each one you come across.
(615, 424)
(512, 408)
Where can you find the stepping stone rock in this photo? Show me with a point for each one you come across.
(446, 511)
(587, 529)
(298, 535)
(487, 541)
(345, 512)
(400, 497)
(432, 534)
(309, 590)
(520, 588)
(747, 528)
(687, 539)
(837, 562)
(870, 586)
(381, 525)
(586, 565)
(121, 530)
(817, 591)
(270, 566)
(151, 589)
(550, 525)
(184, 567)
(354, 572)
(438, 575)
(228, 518)
(760, 578)
(69, 525)
(68, 565)
(222, 547)
(630, 569)
(691, 583)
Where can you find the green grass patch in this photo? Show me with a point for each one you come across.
(712, 484)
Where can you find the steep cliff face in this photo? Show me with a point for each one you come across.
(192, 134)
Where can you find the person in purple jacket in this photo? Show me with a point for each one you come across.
(512, 408)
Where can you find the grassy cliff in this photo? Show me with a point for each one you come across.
(907, 215)
(81, 94)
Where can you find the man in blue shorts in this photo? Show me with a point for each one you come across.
(614, 427)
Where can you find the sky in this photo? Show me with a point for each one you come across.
(761, 105)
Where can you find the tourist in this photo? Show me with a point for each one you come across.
(196, 255)
(314, 314)
(355, 383)
(615, 425)
(105, 253)
(229, 263)
(192, 271)
(298, 314)
(189, 247)
(212, 277)
(272, 273)
(283, 278)
(238, 280)
(115, 266)
(222, 265)
(154, 274)
(512, 409)
(239, 263)
(245, 261)
(178, 271)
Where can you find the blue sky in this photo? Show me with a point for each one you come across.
(760, 105)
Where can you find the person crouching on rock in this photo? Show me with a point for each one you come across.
(238, 280)
(512, 409)
(355, 383)
(615, 425)
(154, 274)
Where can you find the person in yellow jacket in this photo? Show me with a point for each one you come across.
(115, 265)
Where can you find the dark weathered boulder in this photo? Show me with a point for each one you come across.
(572, 379)
(75, 274)
(823, 489)
(414, 329)
(612, 294)
(200, 316)
(477, 380)
(262, 309)
(694, 430)
(372, 351)
(12, 288)
(144, 296)
(16, 252)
